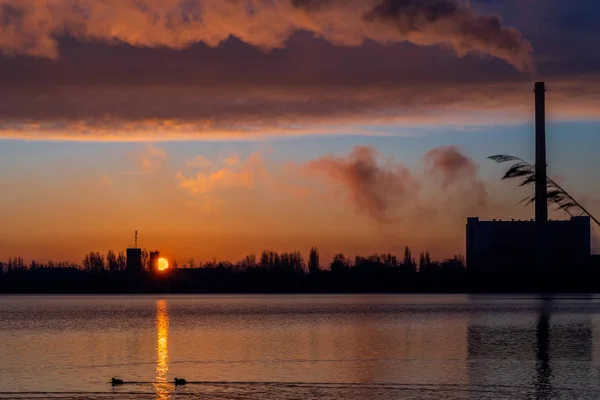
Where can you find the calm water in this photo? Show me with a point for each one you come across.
(300, 347)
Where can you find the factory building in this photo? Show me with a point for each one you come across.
(496, 246)
(153, 261)
(533, 246)
(134, 258)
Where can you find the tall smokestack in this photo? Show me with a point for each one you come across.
(541, 203)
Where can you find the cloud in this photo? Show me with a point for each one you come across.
(383, 189)
(200, 162)
(192, 112)
(371, 184)
(219, 69)
(215, 178)
(453, 22)
(151, 158)
(232, 160)
(33, 27)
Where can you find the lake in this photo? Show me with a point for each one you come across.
(300, 347)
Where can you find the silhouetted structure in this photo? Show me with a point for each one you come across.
(530, 249)
(509, 246)
(541, 195)
(541, 190)
(134, 258)
(153, 263)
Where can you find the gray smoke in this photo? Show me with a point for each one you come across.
(456, 172)
(380, 188)
(372, 188)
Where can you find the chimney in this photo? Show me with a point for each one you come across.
(541, 195)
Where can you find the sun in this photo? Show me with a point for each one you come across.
(162, 264)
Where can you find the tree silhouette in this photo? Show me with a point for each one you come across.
(313, 261)
(425, 262)
(340, 264)
(249, 262)
(121, 261)
(274, 273)
(94, 263)
(408, 263)
(111, 262)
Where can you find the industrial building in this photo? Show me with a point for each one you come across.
(134, 258)
(496, 246)
(529, 246)
(153, 262)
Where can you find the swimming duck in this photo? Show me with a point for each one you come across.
(116, 382)
(180, 381)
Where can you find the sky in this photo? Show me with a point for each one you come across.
(219, 128)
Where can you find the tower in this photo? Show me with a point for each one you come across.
(134, 257)
(541, 195)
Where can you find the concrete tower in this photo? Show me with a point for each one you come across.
(541, 194)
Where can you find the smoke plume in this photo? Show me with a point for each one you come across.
(456, 172)
(372, 187)
(33, 27)
(382, 188)
(452, 22)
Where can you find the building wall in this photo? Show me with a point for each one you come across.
(134, 260)
(504, 245)
(154, 256)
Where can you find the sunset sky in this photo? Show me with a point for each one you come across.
(218, 128)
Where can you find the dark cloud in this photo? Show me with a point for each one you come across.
(459, 25)
(231, 85)
(197, 111)
(32, 28)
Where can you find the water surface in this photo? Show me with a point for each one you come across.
(300, 347)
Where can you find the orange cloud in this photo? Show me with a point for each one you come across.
(31, 27)
(199, 161)
(214, 178)
(151, 158)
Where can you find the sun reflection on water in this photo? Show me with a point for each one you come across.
(162, 350)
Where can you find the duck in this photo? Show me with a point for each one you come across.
(179, 382)
(116, 382)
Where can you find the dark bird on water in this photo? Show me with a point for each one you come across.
(180, 381)
(116, 382)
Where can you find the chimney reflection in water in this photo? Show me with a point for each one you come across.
(162, 350)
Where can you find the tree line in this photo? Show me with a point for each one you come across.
(269, 272)
(112, 262)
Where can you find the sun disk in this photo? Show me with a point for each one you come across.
(163, 264)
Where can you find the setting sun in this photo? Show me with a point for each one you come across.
(163, 264)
